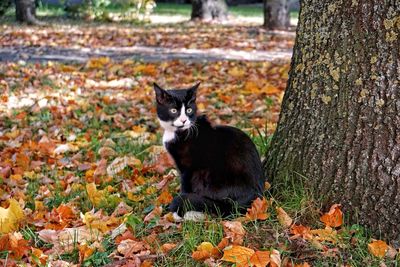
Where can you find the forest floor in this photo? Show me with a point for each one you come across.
(85, 180)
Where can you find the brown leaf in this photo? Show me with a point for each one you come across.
(378, 248)
(238, 255)
(258, 210)
(156, 212)
(106, 152)
(234, 231)
(283, 218)
(300, 231)
(129, 247)
(333, 218)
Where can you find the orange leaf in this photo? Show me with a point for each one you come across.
(167, 247)
(258, 210)
(260, 258)
(334, 218)
(283, 218)
(203, 251)
(234, 231)
(378, 248)
(301, 231)
(164, 198)
(238, 255)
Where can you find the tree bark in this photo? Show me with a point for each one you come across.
(339, 126)
(209, 10)
(25, 11)
(276, 14)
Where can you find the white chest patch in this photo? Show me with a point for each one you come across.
(168, 136)
(169, 131)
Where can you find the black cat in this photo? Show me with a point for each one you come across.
(220, 167)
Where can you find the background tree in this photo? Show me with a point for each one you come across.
(340, 124)
(25, 11)
(209, 10)
(4, 5)
(276, 14)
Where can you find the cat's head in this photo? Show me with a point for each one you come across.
(176, 109)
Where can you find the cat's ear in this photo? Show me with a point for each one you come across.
(161, 95)
(191, 95)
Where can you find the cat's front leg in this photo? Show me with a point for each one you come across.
(186, 183)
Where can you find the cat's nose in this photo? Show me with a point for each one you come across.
(183, 120)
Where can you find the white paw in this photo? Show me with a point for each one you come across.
(195, 216)
(176, 217)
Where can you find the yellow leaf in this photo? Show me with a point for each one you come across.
(260, 258)
(95, 196)
(378, 248)
(97, 63)
(333, 218)
(327, 234)
(10, 217)
(164, 198)
(238, 255)
(283, 218)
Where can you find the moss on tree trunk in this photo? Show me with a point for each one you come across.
(340, 119)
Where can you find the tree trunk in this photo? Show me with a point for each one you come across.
(340, 125)
(209, 10)
(276, 14)
(25, 11)
(4, 5)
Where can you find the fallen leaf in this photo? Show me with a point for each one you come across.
(378, 248)
(234, 231)
(15, 244)
(260, 258)
(283, 218)
(164, 198)
(167, 247)
(238, 255)
(333, 218)
(156, 212)
(275, 258)
(129, 247)
(327, 234)
(258, 210)
(10, 217)
(203, 251)
(95, 196)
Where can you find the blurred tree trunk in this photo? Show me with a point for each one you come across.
(276, 14)
(209, 10)
(25, 11)
(339, 126)
(4, 5)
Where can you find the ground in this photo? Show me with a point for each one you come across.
(85, 180)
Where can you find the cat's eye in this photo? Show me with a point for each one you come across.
(189, 110)
(173, 110)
